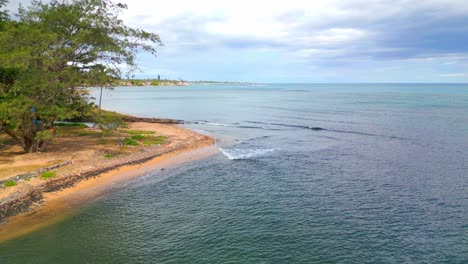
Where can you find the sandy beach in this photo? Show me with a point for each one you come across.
(62, 196)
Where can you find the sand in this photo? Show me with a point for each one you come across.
(185, 145)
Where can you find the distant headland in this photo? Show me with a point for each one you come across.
(169, 82)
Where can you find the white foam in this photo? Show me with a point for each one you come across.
(239, 154)
(218, 124)
(213, 124)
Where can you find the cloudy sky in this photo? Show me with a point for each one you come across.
(305, 41)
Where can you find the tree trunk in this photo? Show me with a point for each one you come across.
(27, 142)
(16, 138)
(100, 100)
(43, 145)
(33, 148)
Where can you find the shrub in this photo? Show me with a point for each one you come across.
(108, 122)
(10, 183)
(48, 174)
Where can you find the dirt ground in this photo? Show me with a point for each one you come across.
(87, 148)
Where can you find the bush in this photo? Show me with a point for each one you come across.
(48, 174)
(10, 183)
(108, 122)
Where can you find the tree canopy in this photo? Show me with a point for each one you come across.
(3, 11)
(53, 50)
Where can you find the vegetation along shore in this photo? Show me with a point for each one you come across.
(29, 178)
(48, 53)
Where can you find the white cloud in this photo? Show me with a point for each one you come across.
(328, 34)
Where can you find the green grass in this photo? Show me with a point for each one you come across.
(71, 125)
(138, 137)
(89, 133)
(111, 155)
(10, 183)
(130, 142)
(138, 132)
(48, 174)
(159, 140)
(145, 140)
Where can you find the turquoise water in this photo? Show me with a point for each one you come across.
(306, 174)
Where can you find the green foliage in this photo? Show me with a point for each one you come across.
(144, 137)
(10, 183)
(51, 50)
(3, 12)
(138, 137)
(48, 174)
(108, 122)
(138, 132)
(44, 135)
(150, 140)
(77, 125)
(88, 133)
(130, 142)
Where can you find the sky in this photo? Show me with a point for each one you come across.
(314, 41)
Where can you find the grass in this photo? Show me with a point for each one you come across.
(10, 183)
(111, 155)
(71, 125)
(76, 131)
(48, 174)
(146, 140)
(159, 140)
(138, 132)
(13, 170)
(88, 133)
(130, 142)
(138, 137)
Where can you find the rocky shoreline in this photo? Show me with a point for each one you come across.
(25, 200)
(29, 175)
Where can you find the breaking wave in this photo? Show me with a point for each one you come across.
(242, 154)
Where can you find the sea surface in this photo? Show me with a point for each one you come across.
(306, 173)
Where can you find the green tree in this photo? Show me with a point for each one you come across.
(3, 11)
(51, 52)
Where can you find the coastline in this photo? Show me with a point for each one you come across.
(55, 199)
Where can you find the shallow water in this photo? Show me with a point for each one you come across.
(306, 174)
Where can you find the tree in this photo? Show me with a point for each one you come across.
(53, 50)
(3, 11)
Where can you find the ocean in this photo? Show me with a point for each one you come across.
(306, 173)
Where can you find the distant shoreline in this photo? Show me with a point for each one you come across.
(156, 82)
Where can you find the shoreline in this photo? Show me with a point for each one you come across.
(55, 199)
